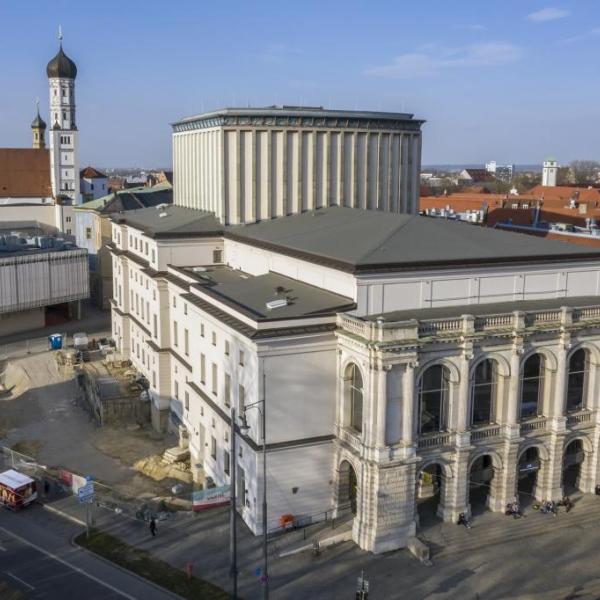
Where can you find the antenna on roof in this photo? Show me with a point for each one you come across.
(60, 35)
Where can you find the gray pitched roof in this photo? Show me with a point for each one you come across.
(366, 240)
(178, 222)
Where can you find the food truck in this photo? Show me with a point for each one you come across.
(16, 490)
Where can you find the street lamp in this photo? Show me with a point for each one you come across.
(244, 428)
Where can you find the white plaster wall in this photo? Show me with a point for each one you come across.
(400, 291)
(258, 261)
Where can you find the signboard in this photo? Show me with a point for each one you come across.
(86, 492)
(211, 498)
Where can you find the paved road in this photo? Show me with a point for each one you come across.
(37, 558)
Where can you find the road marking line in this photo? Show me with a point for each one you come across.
(67, 564)
(19, 580)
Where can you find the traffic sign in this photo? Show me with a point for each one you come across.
(86, 492)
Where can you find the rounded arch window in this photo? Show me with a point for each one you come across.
(354, 397)
(434, 388)
(532, 386)
(577, 380)
(483, 392)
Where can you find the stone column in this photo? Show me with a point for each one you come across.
(409, 403)
(549, 479)
(381, 406)
(455, 490)
(462, 417)
(387, 513)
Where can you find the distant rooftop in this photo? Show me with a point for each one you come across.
(282, 115)
(131, 199)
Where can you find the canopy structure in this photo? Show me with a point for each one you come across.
(14, 480)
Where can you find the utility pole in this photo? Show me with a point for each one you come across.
(233, 511)
(264, 506)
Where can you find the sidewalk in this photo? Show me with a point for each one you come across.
(200, 538)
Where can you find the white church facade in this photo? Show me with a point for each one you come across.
(41, 184)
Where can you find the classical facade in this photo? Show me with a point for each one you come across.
(440, 410)
(394, 370)
(253, 164)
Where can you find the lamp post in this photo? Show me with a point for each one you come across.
(244, 428)
(233, 511)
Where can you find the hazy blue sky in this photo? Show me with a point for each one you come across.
(512, 80)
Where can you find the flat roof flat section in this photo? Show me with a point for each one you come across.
(14, 480)
(179, 222)
(249, 294)
(299, 111)
(354, 240)
(479, 310)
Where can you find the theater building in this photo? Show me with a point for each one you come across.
(401, 358)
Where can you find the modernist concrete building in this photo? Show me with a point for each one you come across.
(42, 279)
(404, 361)
(253, 164)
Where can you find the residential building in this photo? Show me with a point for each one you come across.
(500, 172)
(93, 231)
(93, 184)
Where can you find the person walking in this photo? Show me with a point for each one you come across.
(152, 526)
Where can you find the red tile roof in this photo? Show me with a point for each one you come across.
(25, 173)
(91, 173)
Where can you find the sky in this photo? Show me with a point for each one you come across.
(511, 81)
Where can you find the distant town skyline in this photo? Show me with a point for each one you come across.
(512, 82)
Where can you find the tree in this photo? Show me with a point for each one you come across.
(526, 181)
(564, 176)
(585, 171)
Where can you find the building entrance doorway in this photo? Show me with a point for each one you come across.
(527, 475)
(480, 483)
(429, 494)
(572, 460)
(348, 488)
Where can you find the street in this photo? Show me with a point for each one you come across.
(38, 559)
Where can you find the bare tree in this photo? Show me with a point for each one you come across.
(585, 171)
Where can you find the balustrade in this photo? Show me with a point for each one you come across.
(484, 433)
(537, 424)
(434, 440)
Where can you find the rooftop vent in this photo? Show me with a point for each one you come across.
(198, 269)
(163, 214)
(278, 303)
(162, 206)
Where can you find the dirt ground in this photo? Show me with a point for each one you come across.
(41, 418)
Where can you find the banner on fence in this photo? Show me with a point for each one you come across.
(211, 498)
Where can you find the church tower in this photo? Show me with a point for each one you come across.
(38, 129)
(550, 172)
(64, 162)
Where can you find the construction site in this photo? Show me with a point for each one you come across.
(84, 410)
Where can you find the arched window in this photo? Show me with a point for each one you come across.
(354, 397)
(433, 399)
(532, 386)
(576, 381)
(483, 393)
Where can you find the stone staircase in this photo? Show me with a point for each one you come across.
(496, 528)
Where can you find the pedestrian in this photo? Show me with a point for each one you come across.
(152, 526)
